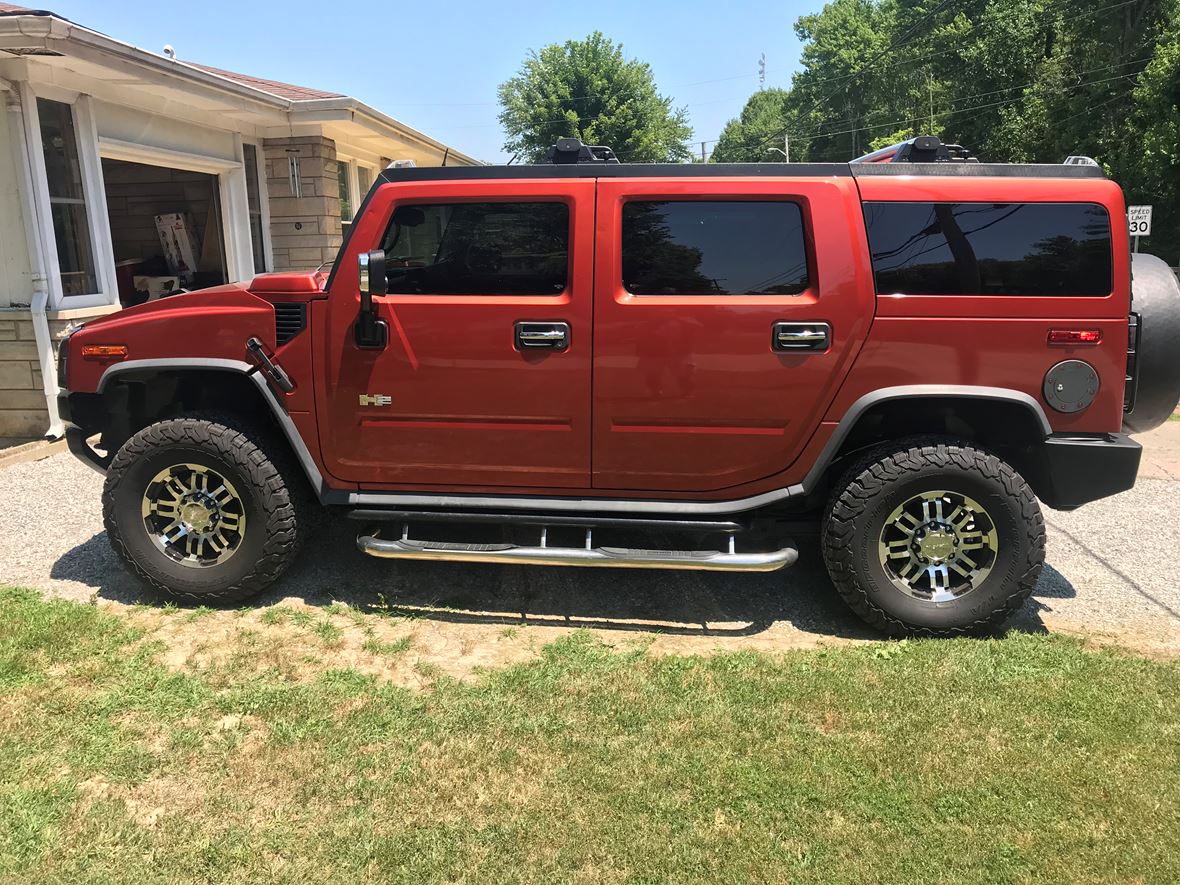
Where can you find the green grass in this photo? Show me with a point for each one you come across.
(1025, 758)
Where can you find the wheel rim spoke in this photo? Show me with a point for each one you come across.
(937, 546)
(194, 514)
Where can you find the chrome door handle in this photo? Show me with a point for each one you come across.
(532, 336)
(800, 336)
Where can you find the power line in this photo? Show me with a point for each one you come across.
(1049, 14)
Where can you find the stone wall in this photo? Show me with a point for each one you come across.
(304, 230)
(23, 414)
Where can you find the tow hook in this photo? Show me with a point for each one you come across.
(270, 367)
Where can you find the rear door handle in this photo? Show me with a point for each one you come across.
(535, 336)
(787, 337)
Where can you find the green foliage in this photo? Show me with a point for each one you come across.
(751, 136)
(589, 89)
(1014, 80)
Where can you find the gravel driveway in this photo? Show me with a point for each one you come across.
(1112, 573)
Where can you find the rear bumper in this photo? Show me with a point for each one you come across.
(1079, 469)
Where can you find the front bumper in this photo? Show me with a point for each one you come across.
(77, 410)
(1078, 469)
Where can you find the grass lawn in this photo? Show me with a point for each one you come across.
(1022, 758)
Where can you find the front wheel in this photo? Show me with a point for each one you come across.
(935, 540)
(198, 510)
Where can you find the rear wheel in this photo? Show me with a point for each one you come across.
(198, 510)
(936, 540)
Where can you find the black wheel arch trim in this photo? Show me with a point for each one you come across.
(330, 496)
(278, 411)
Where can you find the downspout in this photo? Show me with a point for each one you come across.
(40, 300)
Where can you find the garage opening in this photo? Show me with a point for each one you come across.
(165, 229)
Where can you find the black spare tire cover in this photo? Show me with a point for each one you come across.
(1155, 297)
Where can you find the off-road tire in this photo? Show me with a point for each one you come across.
(278, 506)
(868, 492)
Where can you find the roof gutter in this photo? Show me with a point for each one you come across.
(357, 111)
(48, 29)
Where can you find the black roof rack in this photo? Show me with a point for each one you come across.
(920, 149)
(571, 150)
(921, 156)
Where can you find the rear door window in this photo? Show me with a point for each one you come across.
(1020, 249)
(714, 247)
(478, 249)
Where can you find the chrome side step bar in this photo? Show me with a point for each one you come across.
(588, 555)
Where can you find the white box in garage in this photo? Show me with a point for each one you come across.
(178, 239)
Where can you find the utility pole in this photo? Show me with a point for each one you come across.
(930, 87)
(703, 152)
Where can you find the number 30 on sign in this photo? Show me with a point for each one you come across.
(1139, 220)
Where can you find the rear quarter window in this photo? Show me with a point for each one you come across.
(1012, 249)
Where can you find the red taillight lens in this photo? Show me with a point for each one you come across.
(1071, 337)
(104, 353)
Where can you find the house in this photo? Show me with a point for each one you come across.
(101, 138)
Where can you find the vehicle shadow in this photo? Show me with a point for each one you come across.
(643, 601)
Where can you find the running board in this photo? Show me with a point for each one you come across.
(606, 557)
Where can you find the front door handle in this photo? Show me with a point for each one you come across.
(787, 337)
(535, 336)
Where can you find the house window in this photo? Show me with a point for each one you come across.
(714, 247)
(478, 249)
(364, 180)
(67, 198)
(345, 192)
(254, 205)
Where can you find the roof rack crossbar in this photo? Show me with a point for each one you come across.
(920, 149)
(571, 150)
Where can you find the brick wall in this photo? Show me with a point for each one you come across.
(304, 230)
(22, 397)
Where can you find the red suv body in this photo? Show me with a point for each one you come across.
(668, 344)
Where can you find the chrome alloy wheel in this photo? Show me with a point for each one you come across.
(194, 515)
(938, 546)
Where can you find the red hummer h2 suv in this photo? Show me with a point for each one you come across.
(591, 363)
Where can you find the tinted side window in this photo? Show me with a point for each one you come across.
(706, 247)
(990, 248)
(478, 249)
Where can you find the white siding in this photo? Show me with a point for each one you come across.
(127, 124)
(15, 276)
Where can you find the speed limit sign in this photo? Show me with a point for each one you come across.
(1139, 221)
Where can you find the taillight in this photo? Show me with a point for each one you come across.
(1074, 337)
(104, 353)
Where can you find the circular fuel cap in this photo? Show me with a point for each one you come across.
(1071, 386)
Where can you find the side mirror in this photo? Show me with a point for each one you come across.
(370, 331)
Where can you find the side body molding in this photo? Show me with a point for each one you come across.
(328, 495)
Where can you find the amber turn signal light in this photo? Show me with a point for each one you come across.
(104, 353)
(1069, 337)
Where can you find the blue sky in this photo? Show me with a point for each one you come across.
(436, 65)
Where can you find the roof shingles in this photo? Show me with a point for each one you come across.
(287, 91)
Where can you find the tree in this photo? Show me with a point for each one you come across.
(588, 89)
(748, 138)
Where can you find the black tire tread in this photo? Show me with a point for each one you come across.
(870, 477)
(249, 449)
